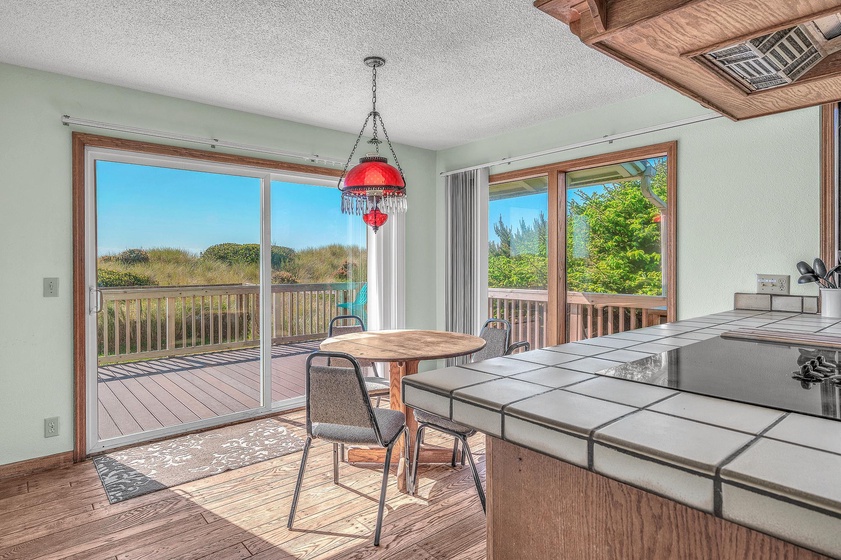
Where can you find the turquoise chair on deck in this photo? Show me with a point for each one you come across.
(357, 306)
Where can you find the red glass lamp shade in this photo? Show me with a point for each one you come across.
(375, 219)
(374, 173)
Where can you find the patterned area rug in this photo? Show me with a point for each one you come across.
(140, 470)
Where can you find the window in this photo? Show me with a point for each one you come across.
(611, 269)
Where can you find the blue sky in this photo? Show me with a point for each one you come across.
(146, 207)
(526, 207)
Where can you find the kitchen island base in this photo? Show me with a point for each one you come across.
(543, 508)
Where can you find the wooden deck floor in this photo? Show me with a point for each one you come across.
(242, 514)
(140, 396)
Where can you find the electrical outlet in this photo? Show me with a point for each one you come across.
(773, 284)
(50, 287)
(51, 427)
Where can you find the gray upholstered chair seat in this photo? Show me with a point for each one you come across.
(391, 424)
(435, 420)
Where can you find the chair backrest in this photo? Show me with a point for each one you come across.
(524, 344)
(358, 325)
(497, 334)
(361, 295)
(337, 395)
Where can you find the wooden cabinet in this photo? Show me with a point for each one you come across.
(742, 58)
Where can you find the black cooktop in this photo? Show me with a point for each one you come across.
(760, 373)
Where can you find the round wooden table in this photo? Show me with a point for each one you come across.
(403, 350)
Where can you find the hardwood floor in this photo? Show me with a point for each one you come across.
(243, 513)
(140, 396)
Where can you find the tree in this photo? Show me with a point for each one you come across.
(620, 238)
(613, 243)
(519, 259)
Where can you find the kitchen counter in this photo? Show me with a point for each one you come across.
(759, 467)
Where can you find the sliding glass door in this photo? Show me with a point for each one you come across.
(209, 284)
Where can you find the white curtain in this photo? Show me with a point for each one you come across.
(387, 275)
(466, 252)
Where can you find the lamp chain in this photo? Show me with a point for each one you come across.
(390, 147)
(375, 141)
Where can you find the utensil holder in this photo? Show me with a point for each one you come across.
(831, 302)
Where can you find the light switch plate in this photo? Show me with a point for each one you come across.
(773, 284)
(50, 287)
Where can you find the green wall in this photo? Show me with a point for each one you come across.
(748, 202)
(747, 194)
(36, 365)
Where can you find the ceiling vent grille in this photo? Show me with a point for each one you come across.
(773, 60)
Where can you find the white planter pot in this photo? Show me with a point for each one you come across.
(831, 302)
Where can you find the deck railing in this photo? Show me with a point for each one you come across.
(153, 322)
(588, 314)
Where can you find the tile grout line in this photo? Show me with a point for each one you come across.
(591, 437)
(717, 498)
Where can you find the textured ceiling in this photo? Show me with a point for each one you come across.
(457, 70)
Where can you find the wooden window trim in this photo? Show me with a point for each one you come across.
(81, 141)
(556, 330)
(829, 186)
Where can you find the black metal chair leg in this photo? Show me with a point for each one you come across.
(475, 473)
(335, 463)
(463, 453)
(455, 453)
(418, 443)
(342, 453)
(382, 494)
(298, 483)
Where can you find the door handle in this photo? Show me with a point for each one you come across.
(96, 300)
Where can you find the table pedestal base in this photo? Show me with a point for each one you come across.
(428, 454)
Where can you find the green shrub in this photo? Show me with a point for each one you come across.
(107, 278)
(283, 277)
(246, 253)
(171, 256)
(132, 256)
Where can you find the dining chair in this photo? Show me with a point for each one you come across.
(377, 386)
(525, 345)
(497, 333)
(339, 411)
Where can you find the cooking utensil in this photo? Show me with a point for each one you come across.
(804, 268)
(808, 277)
(819, 267)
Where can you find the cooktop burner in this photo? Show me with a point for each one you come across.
(788, 377)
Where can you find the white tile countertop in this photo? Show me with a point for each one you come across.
(770, 470)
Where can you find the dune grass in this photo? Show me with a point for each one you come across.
(169, 266)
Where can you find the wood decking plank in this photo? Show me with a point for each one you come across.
(193, 404)
(122, 418)
(141, 414)
(223, 382)
(233, 399)
(182, 412)
(161, 411)
(218, 407)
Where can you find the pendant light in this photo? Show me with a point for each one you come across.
(373, 188)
